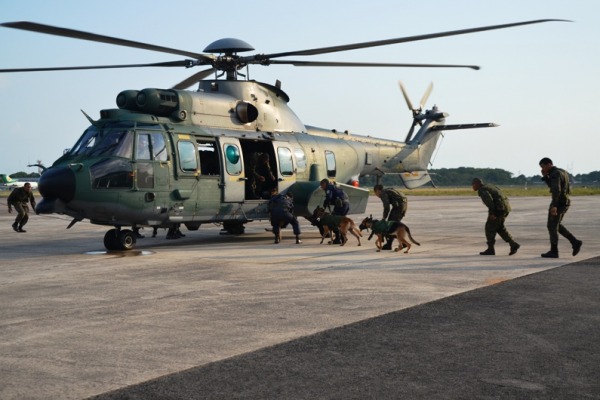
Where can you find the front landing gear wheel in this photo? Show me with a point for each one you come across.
(111, 239)
(116, 239)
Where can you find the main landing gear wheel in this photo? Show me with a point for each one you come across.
(116, 239)
(234, 228)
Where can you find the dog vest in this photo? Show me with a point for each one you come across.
(332, 221)
(383, 227)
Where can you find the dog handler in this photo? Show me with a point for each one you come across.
(398, 202)
(498, 209)
(281, 208)
(340, 201)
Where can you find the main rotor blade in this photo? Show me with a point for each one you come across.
(355, 46)
(362, 64)
(183, 63)
(198, 76)
(75, 34)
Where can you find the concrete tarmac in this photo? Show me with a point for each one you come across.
(213, 316)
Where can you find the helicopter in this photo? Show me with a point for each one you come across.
(166, 157)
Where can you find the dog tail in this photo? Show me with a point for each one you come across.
(355, 229)
(412, 239)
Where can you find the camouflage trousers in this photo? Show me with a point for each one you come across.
(555, 226)
(22, 214)
(495, 227)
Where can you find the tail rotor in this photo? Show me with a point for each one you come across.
(416, 112)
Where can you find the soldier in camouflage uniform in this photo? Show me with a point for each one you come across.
(18, 199)
(498, 209)
(398, 202)
(558, 182)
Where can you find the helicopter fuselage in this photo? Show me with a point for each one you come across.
(166, 157)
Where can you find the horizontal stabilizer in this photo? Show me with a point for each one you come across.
(463, 126)
(415, 179)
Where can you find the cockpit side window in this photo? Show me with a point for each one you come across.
(142, 147)
(159, 147)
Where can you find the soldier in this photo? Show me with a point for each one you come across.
(18, 199)
(340, 201)
(264, 178)
(281, 208)
(498, 209)
(398, 202)
(558, 181)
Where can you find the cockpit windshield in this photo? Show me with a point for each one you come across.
(111, 140)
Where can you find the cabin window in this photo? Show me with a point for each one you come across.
(330, 161)
(187, 156)
(286, 166)
(233, 162)
(300, 160)
(209, 162)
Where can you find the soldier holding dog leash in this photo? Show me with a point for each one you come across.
(340, 201)
(397, 201)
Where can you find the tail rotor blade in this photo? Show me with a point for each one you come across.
(426, 95)
(406, 98)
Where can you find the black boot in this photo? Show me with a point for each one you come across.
(553, 253)
(336, 238)
(388, 243)
(298, 241)
(514, 247)
(576, 246)
(15, 227)
(489, 252)
(277, 240)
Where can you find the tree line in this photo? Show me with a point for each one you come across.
(463, 176)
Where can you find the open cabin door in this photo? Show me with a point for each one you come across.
(234, 175)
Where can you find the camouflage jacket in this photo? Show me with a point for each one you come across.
(394, 198)
(19, 195)
(493, 198)
(558, 182)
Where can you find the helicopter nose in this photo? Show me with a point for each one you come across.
(57, 183)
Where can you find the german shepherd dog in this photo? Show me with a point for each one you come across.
(389, 228)
(328, 223)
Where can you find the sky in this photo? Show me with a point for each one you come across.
(538, 82)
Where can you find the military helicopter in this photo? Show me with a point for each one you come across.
(166, 157)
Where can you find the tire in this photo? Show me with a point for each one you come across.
(234, 228)
(126, 240)
(111, 240)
